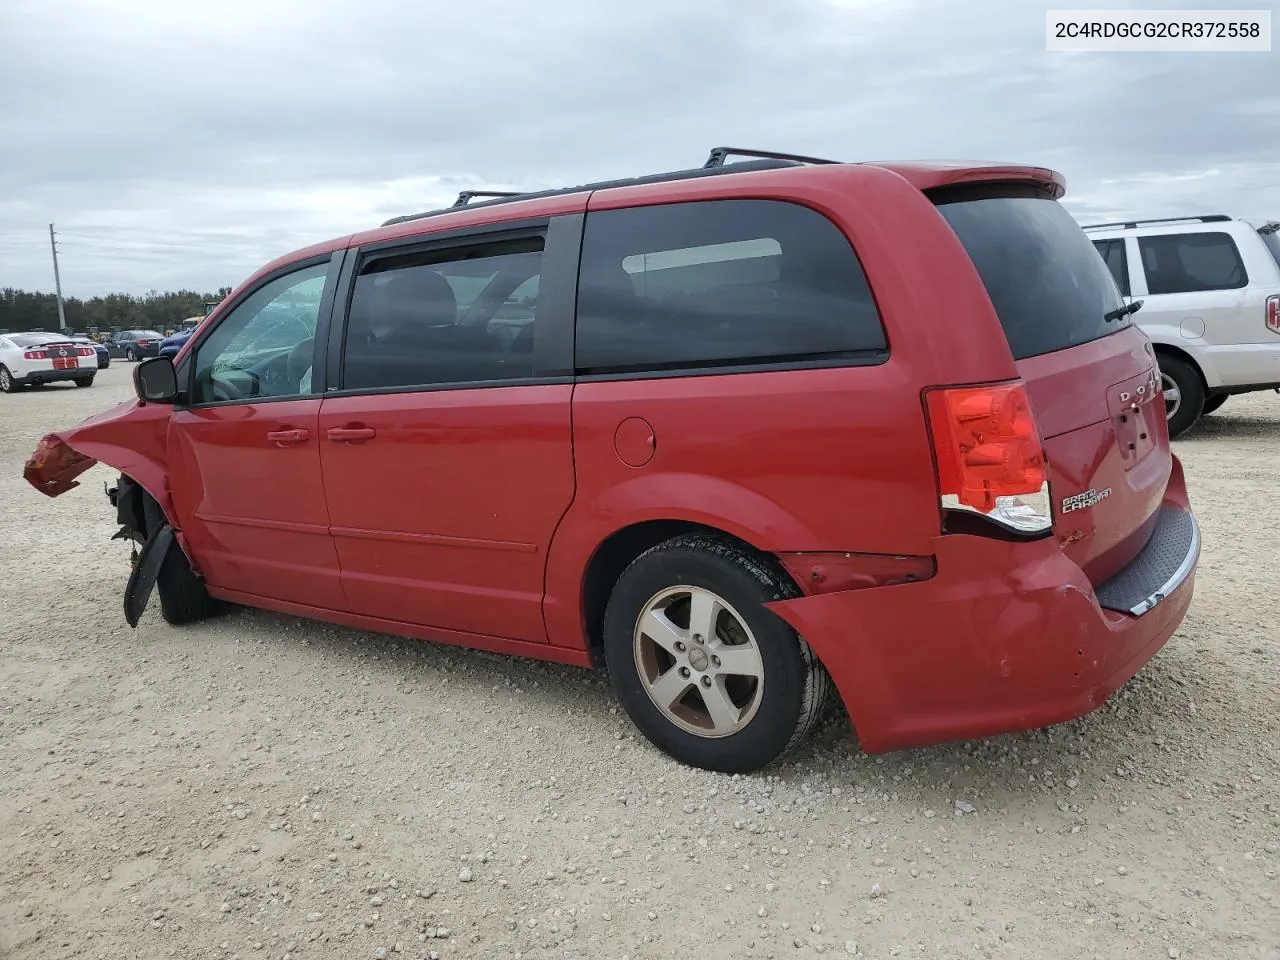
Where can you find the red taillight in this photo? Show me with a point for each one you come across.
(990, 457)
(1273, 314)
(35, 355)
(144, 343)
(85, 351)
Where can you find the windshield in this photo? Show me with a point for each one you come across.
(1046, 281)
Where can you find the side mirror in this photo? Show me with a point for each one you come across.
(155, 380)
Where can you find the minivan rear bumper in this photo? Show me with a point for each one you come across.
(1005, 637)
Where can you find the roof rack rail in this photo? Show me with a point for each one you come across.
(765, 161)
(466, 196)
(1130, 224)
(720, 154)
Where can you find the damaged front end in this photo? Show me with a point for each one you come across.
(131, 438)
(53, 467)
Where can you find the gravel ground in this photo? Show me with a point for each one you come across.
(259, 786)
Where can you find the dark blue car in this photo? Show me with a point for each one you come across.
(169, 346)
(104, 357)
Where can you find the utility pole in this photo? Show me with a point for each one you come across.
(57, 282)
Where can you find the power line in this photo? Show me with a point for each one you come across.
(195, 244)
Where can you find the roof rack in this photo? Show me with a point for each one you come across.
(466, 196)
(720, 154)
(1130, 224)
(715, 166)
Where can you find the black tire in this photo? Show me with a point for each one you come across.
(183, 597)
(131, 356)
(796, 688)
(1214, 402)
(84, 381)
(1191, 392)
(7, 383)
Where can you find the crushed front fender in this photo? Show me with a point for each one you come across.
(53, 467)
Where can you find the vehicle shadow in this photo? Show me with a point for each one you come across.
(1222, 425)
(1138, 720)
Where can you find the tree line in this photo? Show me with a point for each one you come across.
(26, 310)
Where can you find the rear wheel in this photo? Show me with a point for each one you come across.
(84, 381)
(7, 383)
(1183, 393)
(1214, 402)
(709, 675)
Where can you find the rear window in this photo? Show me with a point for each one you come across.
(718, 283)
(1271, 237)
(33, 339)
(1050, 288)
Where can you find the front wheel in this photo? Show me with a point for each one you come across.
(1183, 394)
(84, 381)
(709, 675)
(183, 597)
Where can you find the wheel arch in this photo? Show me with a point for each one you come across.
(1186, 356)
(621, 547)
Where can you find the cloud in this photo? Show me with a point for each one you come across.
(181, 145)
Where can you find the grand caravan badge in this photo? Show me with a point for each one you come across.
(1083, 501)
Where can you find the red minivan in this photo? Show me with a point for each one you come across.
(737, 433)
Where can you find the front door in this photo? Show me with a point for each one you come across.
(245, 449)
(447, 455)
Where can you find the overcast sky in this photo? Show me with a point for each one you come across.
(181, 144)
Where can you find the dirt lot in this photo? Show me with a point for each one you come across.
(258, 786)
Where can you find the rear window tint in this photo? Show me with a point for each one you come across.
(1271, 237)
(719, 283)
(1050, 288)
(1192, 262)
(34, 339)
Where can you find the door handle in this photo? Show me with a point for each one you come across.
(287, 437)
(351, 434)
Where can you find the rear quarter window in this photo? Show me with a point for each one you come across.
(720, 283)
(1050, 288)
(1191, 263)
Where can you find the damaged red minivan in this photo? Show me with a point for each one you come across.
(738, 433)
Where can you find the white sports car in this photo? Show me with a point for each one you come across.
(38, 358)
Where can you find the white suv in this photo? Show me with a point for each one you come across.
(1210, 292)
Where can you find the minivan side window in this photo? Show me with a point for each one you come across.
(462, 316)
(1113, 254)
(720, 283)
(263, 348)
(1192, 262)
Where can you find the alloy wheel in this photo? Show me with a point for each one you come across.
(698, 661)
(1172, 396)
